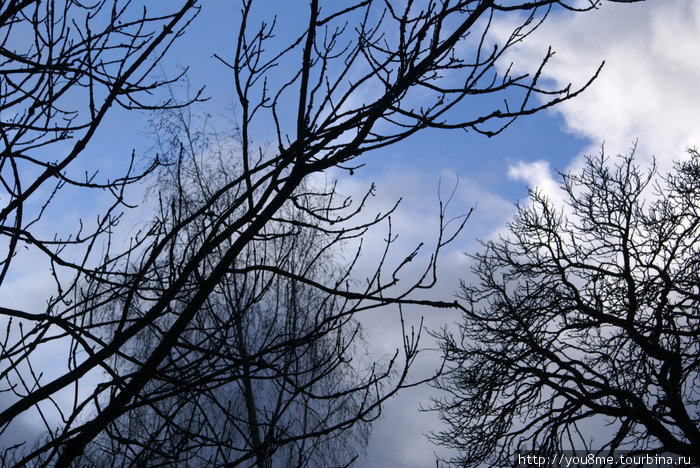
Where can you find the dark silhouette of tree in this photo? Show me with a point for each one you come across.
(581, 330)
(166, 319)
(63, 65)
(269, 375)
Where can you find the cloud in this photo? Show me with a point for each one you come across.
(537, 175)
(398, 438)
(648, 89)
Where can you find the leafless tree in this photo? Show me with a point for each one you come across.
(581, 331)
(353, 78)
(63, 65)
(269, 377)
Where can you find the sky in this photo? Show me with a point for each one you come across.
(648, 92)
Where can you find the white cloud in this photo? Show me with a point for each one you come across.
(537, 175)
(648, 89)
(398, 438)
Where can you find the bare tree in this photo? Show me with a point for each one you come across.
(582, 329)
(63, 65)
(353, 78)
(269, 377)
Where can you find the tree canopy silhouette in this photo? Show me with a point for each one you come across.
(581, 328)
(156, 322)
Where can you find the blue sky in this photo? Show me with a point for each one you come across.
(648, 91)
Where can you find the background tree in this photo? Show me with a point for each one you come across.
(356, 77)
(582, 329)
(265, 374)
